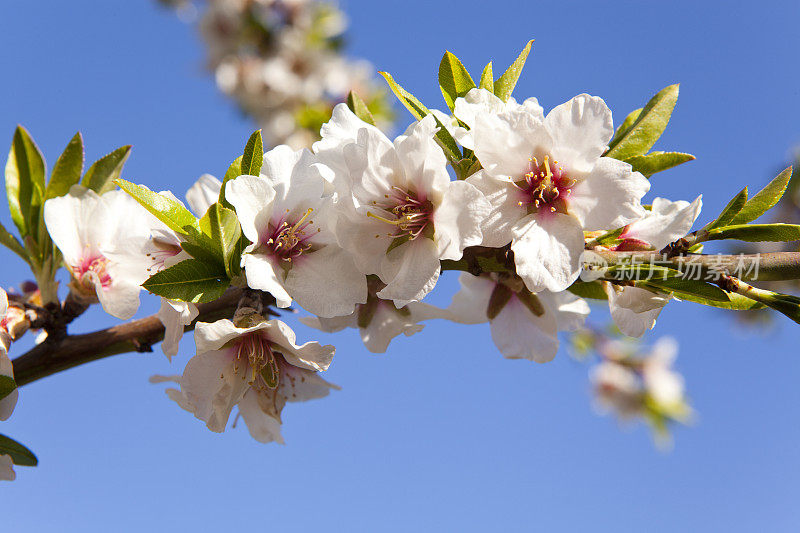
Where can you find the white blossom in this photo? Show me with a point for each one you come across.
(404, 214)
(259, 368)
(294, 255)
(547, 183)
(635, 309)
(7, 468)
(95, 235)
(379, 321)
(8, 403)
(523, 325)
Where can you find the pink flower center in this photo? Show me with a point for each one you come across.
(288, 239)
(412, 212)
(545, 187)
(98, 265)
(164, 251)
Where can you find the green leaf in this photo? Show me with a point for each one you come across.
(7, 386)
(234, 171)
(765, 199)
(607, 237)
(19, 453)
(731, 210)
(505, 84)
(588, 289)
(166, 209)
(189, 281)
(454, 80)
(222, 226)
(626, 125)
(757, 232)
(67, 170)
(25, 182)
(11, 242)
(736, 302)
(691, 287)
(657, 161)
(487, 78)
(253, 155)
(419, 111)
(359, 108)
(648, 126)
(101, 175)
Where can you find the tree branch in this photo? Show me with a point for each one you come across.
(56, 355)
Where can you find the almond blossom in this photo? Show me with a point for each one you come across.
(548, 182)
(259, 368)
(94, 234)
(403, 214)
(523, 325)
(378, 321)
(294, 255)
(635, 309)
(7, 403)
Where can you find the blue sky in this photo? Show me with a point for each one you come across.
(441, 433)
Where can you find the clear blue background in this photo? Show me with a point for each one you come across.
(441, 433)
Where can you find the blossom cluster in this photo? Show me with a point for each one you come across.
(356, 231)
(281, 61)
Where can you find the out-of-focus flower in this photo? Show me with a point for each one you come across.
(7, 403)
(282, 62)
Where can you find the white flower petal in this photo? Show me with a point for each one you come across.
(457, 220)
(633, 309)
(175, 316)
(519, 334)
(410, 271)
(470, 303)
(546, 250)
(212, 387)
(7, 468)
(310, 356)
(497, 226)
(609, 197)
(262, 427)
(261, 274)
(203, 194)
(665, 222)
(326, 282)
(581, 130)
(252, 197)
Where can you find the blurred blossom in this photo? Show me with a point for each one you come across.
(281, 61)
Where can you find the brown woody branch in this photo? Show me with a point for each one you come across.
(58, 354)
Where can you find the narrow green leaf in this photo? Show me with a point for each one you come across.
(67, 170)
(359, 108)
(419, 111)
(757, 232)
(20, 455)
(11, 242)
(487, 78)
(505, 84)
(765, 199)
(696, 288)
(253, 155)
(25, 182)
(189, 281)
(166, 209)
(102, 173)
(7, 386)
(234, 171)
(648, 126)
(657, 161)
(626, 125)
(454, 80)
(736, 302)
(731, 210)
